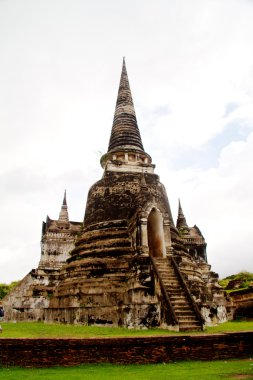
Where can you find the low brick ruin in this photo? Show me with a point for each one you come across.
(125, 350)
(128, 264)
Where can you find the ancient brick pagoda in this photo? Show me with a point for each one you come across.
(127, 264)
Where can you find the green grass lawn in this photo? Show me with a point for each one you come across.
(215, 370)
(43, 330)
(190, 370)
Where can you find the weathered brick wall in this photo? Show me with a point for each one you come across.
(69, 352)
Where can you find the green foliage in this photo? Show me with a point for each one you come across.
(224, 282)
(6, 288)
(190, 370)
(244, 278)
(44, 330)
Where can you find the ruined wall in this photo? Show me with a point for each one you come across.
(204, 287)
(242, 303)
(55, 249)
(58, 240)
(115, 289)
(141, 350)
(29, 299)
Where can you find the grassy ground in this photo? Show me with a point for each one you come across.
(41, 330)
(215, 370)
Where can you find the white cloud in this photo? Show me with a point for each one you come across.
(220, 201)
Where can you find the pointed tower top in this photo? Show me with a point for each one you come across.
(125, 132)
(64, 199)
(181, 221)
(64, 216)
(180, 211)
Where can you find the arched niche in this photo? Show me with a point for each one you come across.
(155, 231)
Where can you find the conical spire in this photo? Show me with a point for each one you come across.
(181, 221)
(125, 132)
(64, 203)
(64, 216)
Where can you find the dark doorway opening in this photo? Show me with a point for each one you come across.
(155, 234)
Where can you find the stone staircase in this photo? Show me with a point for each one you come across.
(176, 293)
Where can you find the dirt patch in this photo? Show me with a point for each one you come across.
(238, 376)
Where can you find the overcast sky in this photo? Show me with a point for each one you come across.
(190, 66)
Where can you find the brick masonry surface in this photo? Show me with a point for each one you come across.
(142, 350)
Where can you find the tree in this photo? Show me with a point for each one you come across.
(6, 288)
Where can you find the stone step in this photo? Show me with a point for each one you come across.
(173, 289)
(184, 313)
(171, 293)
(172, 281)
(169, 278)
(170, 287)
(176, 292)
(179, 303)
(188, 323)
(177, 298)
(165, 267)
(161, 259)
(167, 275)
(190, 320)
(182, 308)
(183, 319)
(190, 328)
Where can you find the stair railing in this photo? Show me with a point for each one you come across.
(170, 316)
(187, 291)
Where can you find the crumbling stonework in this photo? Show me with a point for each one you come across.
(125, 350)
(242, 303)
(31, 297)
(128, 264)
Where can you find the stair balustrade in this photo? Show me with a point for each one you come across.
(187, 292)
(170, 315)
